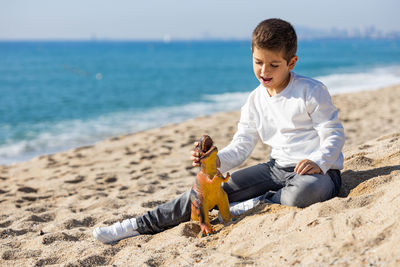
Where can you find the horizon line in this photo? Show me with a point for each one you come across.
(160, 40)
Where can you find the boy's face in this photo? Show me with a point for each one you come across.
(271, 69)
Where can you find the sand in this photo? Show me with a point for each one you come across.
(50, 204)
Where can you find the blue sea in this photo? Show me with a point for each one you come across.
(60, 95)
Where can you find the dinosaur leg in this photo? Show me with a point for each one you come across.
(200, 213)
(223, 206)
(194, 215)
(206, 228)
(195, 206)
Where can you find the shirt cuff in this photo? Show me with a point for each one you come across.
(324, 166)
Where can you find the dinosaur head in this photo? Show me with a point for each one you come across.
(206, 147)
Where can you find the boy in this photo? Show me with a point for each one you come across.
(292, 114)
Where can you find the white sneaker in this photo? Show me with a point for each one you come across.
(238, 208)
(117, 231)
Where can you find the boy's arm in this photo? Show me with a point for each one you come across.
(244, 140)
(330, 130)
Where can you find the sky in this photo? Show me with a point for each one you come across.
(183, 19)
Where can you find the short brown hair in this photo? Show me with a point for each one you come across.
(276, 35)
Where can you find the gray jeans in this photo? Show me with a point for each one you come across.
(276, 184)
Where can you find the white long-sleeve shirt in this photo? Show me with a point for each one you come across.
(298, 123)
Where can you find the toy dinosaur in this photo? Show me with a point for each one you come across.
(207, 192)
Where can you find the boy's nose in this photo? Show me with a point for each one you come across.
(264, 70)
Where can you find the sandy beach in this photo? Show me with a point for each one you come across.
(50, 204)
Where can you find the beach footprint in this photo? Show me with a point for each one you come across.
(62, 236)
(76, 180)
(27, 189)
(94, 260)
(41, 218)
(20, 254)
(85, 222)
(47, 261)
(9, 232)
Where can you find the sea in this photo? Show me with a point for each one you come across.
(58, 95)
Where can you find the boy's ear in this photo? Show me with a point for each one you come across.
(292, 62)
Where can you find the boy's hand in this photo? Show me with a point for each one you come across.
(195, 158)
(307, 166)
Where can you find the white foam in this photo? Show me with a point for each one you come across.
(74, 133)
(227, 101)
(373, 79)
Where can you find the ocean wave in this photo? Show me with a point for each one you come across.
(47, 138)
(373, 79)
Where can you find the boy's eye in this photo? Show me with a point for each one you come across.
(274, 66)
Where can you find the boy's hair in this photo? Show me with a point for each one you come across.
(276, 35)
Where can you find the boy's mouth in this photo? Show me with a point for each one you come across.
(265, 80)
